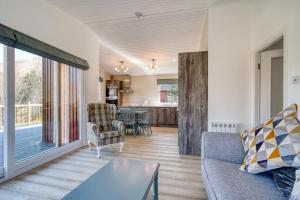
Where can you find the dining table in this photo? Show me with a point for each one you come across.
(138, 117)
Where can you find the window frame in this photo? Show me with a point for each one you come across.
(159, 88)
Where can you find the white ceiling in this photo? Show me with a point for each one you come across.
(167, 28)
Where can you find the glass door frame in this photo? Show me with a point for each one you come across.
(11, 167)
(9, 105)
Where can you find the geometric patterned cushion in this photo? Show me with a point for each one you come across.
(290, 111)
(245, 138)
(274, 144)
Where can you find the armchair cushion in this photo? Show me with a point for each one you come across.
(117, 129)
(102, 114)
(109, 134)
(111, 140)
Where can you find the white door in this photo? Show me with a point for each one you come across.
(271, 83)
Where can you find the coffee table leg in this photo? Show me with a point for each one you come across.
(155, 188)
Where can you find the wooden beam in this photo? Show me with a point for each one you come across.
(193, 100)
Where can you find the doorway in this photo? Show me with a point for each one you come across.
(271, 80)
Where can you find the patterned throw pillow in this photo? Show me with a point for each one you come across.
(290, 111)
(274, 144)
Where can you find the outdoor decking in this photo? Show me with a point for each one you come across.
(28, 142)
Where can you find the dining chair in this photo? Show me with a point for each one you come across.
(128, 117)
(145, 122)
(139, 112)
(120, 116)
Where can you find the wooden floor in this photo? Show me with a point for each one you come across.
(179, 175)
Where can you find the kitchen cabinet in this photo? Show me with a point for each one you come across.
(165, 117)
(162, 116)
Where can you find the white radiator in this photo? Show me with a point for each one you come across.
(228, 127)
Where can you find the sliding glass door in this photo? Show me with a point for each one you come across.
(46, 104)
(39, 109)
(69, 84)
(1, 110)
(40, 102)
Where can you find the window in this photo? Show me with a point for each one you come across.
(168, 93)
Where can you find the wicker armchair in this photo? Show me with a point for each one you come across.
(102, 127)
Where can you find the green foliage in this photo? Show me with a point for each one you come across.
(29, 88)
(173, 94)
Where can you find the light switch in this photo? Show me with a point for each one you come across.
(296, 80)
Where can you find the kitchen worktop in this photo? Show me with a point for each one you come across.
(162, 115)
(150, 106)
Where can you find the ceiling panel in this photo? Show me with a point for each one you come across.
(167, 28)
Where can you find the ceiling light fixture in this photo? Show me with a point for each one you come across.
(154, 67)
(121, 68)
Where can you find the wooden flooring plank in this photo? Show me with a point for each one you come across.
(7, 194)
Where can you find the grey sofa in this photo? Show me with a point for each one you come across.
(222, 155)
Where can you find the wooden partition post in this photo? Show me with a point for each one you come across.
(193, 97)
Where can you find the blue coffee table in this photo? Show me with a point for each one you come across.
(119, 179)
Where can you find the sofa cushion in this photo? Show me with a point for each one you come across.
(225, 181)
(273, 144)
(285, 178)
(247, 135)
(222, 146)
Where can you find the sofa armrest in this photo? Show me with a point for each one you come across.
(222, 146)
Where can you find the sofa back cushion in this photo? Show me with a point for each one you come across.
(102, 114)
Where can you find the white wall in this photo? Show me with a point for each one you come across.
(236, 31)
(270, 20)
(204, 37)
(145, 88)
(105, 77)
(228, 62)
(48, 24)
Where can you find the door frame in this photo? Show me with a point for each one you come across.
(277, 53)
(257, 74)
